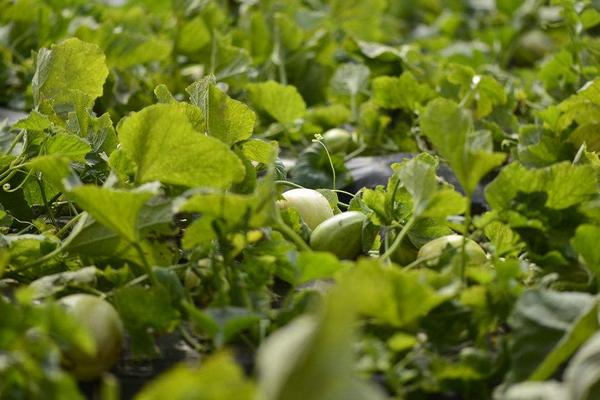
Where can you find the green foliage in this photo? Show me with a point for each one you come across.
(218, 378)
(281, 102)
(70, 68)
(165, 144)
(153, 141)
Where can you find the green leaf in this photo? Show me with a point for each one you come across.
(419, 179)
(97, 241)
(311, 358)
(235, 211)
(227, 119)
(69, 66)
(585, 242)
(116, 209)
(230, 321)
(550, 390)
(588, 135)
(54, 169)
(390, 296)
(67, 145)
(316, 265)
(578, 333)
(23, 249)
(350, 79)
(218, 378)
(449, 129)
(193, 35)
(359, 19)
(125, 48)
(165, 145)
(502, 238)
(282, 102)
(557, 71)
(35, 121)
(163, 95)
(563, 185)
(546, 327)
(51, 284)
(145, 312)
(260, 151)
(229, 61)
(582, 377)
(582, 107)
(403, 92)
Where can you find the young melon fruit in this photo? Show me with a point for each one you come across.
(106, 329)
(340, 235)
(312, 206)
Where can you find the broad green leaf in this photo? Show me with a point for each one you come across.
(145, 312)
(165, 145)
(449, 129)
(359, 19)
(229, 61)
(72, 65)
(578, 333)
(556, 71)
(53, 168)
(67, 145)
(193, 35)
(582, 376)
(163, 95)
(483, 90)
(117, 209)
(402, 92)
(260, 151)
(25, 248)
(429, 200)
(547, 324)
(125, 48)
(550, 390)
(350, 79)
(51, 284)
(229, 321)
(311, 358)
(503, 239)
(588, 135)
(316, 265)
(235, 211)
(582, 107)
(563, 185)
(289, 32)
(217, 378)
(227, 119)
(590, 17)
(35, 121)
(282, 102)
(230, 207)
(390, 296)
(102, 244)
(585, 242)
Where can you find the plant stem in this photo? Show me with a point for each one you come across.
(290, 234)
(330, 161)
(467, 226)
(288, 183)
(45, 200)
(398, 240)
(147, 267)
(71, 222)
